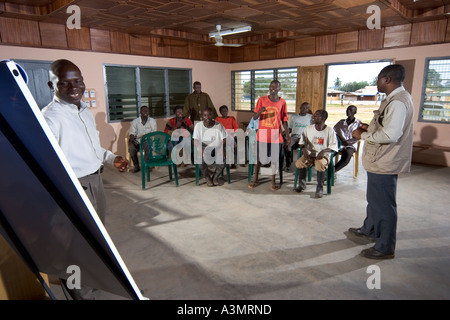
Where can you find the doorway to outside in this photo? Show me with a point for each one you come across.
(355, 84)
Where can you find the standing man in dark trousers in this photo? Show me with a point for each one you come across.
(73, 125)
(387, 152)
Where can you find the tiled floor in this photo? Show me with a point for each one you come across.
(232, 242)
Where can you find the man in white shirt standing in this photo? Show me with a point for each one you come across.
(73, 125)
(387, 152)
(139, 128)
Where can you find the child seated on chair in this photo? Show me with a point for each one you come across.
(209, 137)
(317, 142)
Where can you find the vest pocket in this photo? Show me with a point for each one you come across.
(371, 151)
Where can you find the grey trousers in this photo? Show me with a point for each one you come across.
(93, 186)
(381, 219)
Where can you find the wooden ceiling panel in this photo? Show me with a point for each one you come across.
(175, 7)
(192, 20)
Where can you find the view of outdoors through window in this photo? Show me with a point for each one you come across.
(436, 91)
(249, 86)
(353, 84)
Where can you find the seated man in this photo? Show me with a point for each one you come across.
(317, 142)
(344, 129)
(296, 124)
(139, 128)
(178, 122)
(209, 137)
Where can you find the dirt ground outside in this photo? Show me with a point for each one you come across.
(336, 112)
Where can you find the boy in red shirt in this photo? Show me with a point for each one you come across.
(228, 122)
(272, 113)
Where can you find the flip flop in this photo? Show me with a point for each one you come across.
(274, 187)
(253, 184)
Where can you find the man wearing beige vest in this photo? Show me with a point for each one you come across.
(387, 152)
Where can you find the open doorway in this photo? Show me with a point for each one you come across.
(353, 84)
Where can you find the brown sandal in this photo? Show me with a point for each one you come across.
(253, 184)
(274, 187)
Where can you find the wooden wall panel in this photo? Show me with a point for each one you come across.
(211, 53)
(428, 32)
(251, 53)
(237, 55)
(326, 44)
(140, 45)
(179, 49)
(79, 38)
(224, 54)
(53, 35)
(20, 32)
(159, 47)
(196, 51)
(286, 49)
(100, 40)
(305, 47)
(371, 39)
(347, 42)
(447, 35)
(268, 53)
(120, 42)
(397, 36)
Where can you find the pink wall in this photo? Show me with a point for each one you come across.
(216, 80)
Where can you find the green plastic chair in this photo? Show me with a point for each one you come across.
(329, 172)
(158, 155)
(251, 168)
(198, 172)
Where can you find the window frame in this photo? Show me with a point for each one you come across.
(424, 87)
(138, 84)
(253, 73)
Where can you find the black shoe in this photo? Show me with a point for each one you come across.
(357, 233)
(136, 169)
(371, 253)
(209, 181)
(319, 193)
(299, 189)
(215, 179)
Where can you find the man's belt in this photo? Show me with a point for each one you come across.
(99, 171)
